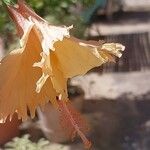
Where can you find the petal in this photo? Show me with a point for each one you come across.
(76, 57)
(23, 16)
(51, 34)
(58, 80)
(18, 80)
(113, 49)
(50, 70)
(45, 65)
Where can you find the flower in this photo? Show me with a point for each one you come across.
(38, 71)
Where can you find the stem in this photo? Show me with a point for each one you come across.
(86, 142)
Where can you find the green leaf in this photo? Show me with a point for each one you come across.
(7, 2)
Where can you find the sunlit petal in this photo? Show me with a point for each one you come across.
(18, 80)
(76, 57)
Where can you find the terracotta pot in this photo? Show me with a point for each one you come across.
(9, 130)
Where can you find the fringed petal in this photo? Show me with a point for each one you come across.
(45, 65)
(51, 34)
(76, 57)
(18, 80)
(113, 49)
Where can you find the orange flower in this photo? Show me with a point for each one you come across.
(38, 71)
